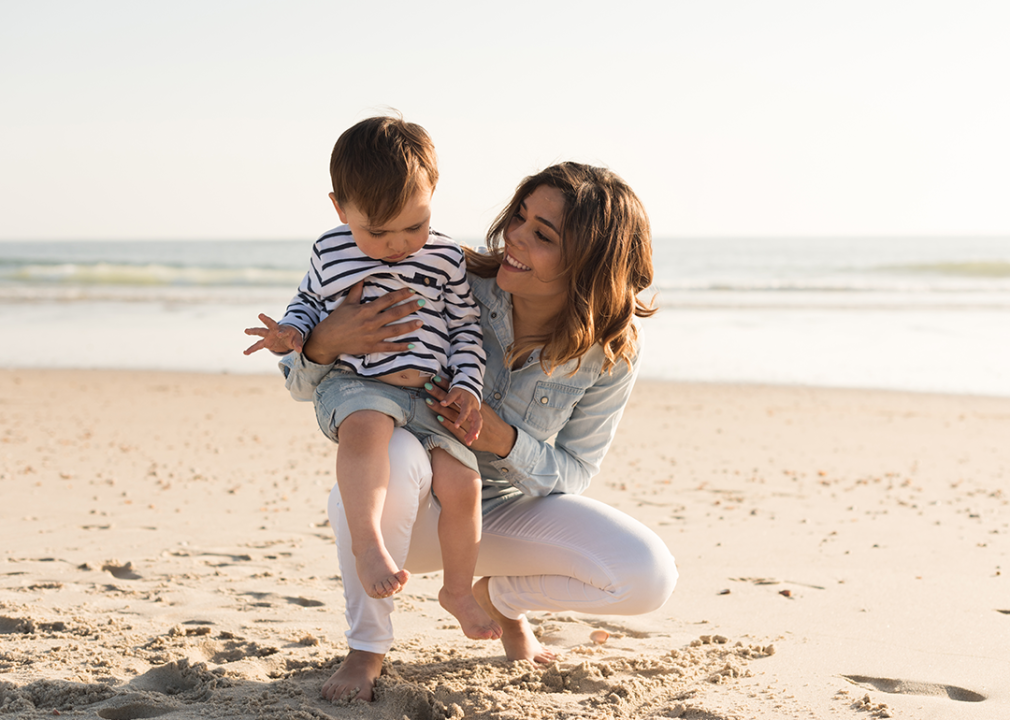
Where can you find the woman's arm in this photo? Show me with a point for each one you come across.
(352, 328)
(539, 468)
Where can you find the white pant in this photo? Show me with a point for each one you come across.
(560, 552)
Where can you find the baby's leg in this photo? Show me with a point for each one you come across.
(363, 477)
(458, 490)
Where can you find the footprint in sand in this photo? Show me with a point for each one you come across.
(910, 687)
(132, 711)
(121, 572)
(304, 602)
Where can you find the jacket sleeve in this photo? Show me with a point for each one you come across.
(540, 468)
(302, 376)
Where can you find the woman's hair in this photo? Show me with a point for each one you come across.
(606, 258)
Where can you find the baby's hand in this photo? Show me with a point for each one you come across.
(469, 412)
(275, 338)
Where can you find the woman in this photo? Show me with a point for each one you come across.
(558, 293)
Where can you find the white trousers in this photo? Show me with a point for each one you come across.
(554, 553)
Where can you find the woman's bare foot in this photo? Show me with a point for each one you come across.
(517, 635)
(355, 678)
(475, 622)
(378, 573)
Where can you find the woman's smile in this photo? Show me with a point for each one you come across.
(531, 268)
(511, 262)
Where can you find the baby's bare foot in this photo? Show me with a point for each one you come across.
(378, 573)
(517, 636)
(475, 622)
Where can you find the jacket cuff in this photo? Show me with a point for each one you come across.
(524, 455)
(302, 376)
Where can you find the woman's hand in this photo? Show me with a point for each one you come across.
(467, 409)
(494, 435)
(354, 328)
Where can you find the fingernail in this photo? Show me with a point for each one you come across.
(429, 401)
(411, 346)
(421, 302)
(440, 418)
(437, 379)
(427, 386)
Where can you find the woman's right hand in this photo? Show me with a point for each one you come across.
(354, 328)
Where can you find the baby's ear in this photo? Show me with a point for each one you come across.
(340, 210)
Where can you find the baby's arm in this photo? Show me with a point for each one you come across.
(275, 338)
(469, 412)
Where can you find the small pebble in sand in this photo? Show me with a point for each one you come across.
(599, 636)
(786, 593)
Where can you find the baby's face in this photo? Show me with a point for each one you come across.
(396, 239)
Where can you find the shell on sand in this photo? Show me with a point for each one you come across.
(599, 636)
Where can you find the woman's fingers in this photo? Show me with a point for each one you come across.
(449, 415)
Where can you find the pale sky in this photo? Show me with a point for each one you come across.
(212, 119)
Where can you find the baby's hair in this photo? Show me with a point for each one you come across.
(378, 164)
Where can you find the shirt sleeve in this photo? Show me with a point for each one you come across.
(307, 307)
(539, 468)
(466, 357)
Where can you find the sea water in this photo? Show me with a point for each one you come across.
(921, 314)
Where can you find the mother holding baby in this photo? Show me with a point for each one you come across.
(558, 295)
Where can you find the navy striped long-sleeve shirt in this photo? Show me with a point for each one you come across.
(449, 342)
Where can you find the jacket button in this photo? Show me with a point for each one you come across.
(497, 396)
(543, 400)
(494, 315)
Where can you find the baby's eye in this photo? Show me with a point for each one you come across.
(376, 234)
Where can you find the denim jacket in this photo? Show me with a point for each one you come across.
(579, 411)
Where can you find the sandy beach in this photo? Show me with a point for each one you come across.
(843, 553)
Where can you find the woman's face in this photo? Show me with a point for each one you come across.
(531, 268)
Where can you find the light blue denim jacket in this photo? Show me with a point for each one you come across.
(580, 411)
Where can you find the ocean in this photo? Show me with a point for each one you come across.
(920, 314)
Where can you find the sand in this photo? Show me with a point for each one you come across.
(165, 553)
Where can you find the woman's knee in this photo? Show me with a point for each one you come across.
(650, 576)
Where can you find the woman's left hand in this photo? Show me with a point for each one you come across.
(496, 435)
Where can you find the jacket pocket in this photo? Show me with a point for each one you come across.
(551, 405)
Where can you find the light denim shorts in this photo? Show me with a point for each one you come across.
(342, 393)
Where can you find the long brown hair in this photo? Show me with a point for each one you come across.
(606, 256)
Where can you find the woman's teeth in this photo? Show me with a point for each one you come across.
(515, 263)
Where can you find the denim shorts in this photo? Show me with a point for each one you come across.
(342, 393)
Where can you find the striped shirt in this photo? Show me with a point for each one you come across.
(449, 342)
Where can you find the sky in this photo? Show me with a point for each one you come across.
(215, 119)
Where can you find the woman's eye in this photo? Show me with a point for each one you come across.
(541, 237)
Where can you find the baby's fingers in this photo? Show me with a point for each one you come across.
(474, 423)
(258, 345)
